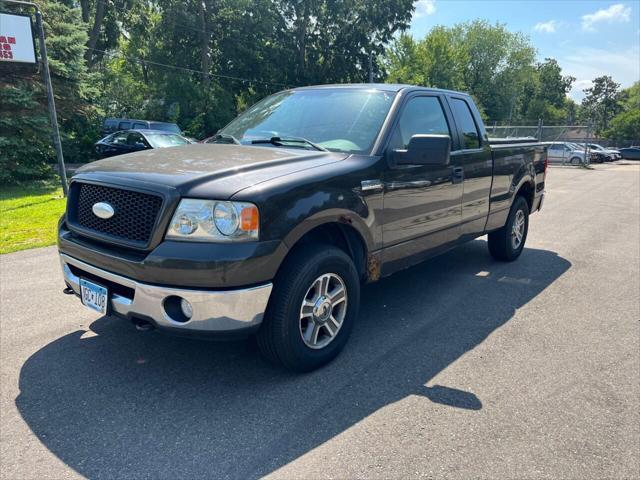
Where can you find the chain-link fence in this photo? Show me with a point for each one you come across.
(578, 138)
(555, 133)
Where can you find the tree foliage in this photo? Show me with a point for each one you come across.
(486, 60)
(626, 124)
(25, 135)
(200, 62)
(545, 94)
(602, 102)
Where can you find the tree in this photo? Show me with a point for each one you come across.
(25, 135)
(190, 56)
(545, 94)
(602, 102)
(625, 126)
(487, 60)
(404, 62)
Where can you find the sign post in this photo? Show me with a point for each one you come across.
(17, 44)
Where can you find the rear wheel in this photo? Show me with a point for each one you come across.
(312, 308)
(507, 243)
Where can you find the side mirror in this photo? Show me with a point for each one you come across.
(425, 150)
(140, 146)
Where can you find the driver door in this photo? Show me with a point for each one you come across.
(422, 203)
(136, 142)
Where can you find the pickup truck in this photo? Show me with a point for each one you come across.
(272, 229)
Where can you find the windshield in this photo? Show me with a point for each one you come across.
(160, 140)
(345, 120)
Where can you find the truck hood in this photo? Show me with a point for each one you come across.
(206, 169)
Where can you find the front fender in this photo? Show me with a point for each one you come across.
(332, 215)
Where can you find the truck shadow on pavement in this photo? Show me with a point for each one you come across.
(115, 402)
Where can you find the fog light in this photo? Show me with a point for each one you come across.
(187, 309)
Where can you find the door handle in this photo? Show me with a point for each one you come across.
(457, 174)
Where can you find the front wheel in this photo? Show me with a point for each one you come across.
(576, 161)
(507, 243)
(312, 308)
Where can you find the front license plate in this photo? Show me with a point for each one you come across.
(94, 296)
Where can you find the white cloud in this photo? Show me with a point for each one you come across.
(615, 13)
(546, 27)
(425, 7)
(588, 63)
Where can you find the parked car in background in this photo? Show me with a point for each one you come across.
(611, 152)
(630, 153)
(129, 141)
(565, 152)
(112, 125)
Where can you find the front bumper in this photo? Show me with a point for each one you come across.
(222, 311)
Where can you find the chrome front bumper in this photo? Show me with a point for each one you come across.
(213, 311)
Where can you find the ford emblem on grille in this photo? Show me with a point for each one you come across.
(103, 210)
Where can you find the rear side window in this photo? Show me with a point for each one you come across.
(125, 125)
(421, 115)
(468, 127)
(138, 126)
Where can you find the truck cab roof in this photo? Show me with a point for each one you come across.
(388, 87)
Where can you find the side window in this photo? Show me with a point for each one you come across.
(124, 126)
(421, 115)
(134, 138)
(119, 139)
(138, 126)
(468, 127)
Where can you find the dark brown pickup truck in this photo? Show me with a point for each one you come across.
(271, 228)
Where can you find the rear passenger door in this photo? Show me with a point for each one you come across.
(119, 143)
(474, 156)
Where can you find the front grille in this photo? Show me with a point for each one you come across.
(135, 212)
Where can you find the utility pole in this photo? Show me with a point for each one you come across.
(371, 66)
(50, 99)
(587, 160)
(52, 104)
(539, 133)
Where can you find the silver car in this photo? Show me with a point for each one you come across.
(611, 152)
(565, 152)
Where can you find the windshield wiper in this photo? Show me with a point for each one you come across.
(225, 136)
(280, 142)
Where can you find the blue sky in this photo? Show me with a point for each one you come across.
(588, 38)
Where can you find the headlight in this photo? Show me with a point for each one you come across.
(214, 221)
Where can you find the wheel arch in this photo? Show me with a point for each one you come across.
(526, 189)
(341, 228)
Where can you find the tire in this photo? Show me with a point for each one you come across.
(576, 160)
(280, 338)
(501, 243)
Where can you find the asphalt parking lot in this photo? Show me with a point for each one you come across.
(460, 367)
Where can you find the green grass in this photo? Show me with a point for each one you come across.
(29, 216)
